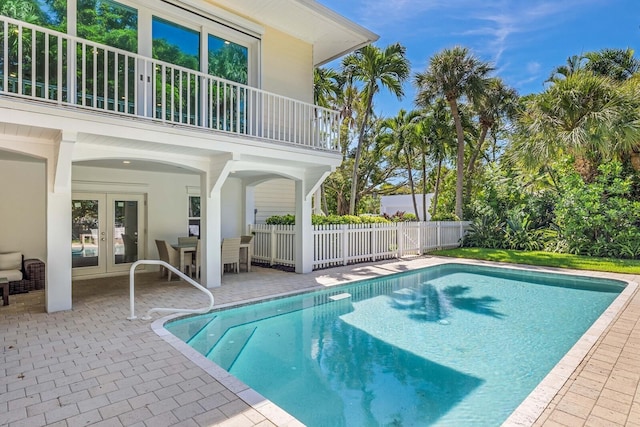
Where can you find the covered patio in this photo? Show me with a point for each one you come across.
(92, 365)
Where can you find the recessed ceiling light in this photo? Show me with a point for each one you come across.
(126, 162)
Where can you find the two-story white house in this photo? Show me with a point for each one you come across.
(149, 119)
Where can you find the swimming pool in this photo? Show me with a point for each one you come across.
(450, 345)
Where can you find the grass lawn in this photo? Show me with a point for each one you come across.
(546, 259)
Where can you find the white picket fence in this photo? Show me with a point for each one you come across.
(343, 244)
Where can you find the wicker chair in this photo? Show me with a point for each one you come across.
(231, 253)
(169, 255)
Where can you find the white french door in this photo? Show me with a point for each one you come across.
(108, 232)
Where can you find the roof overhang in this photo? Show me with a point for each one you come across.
(331, 34)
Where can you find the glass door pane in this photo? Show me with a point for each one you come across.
(85, 229)
(125, 231)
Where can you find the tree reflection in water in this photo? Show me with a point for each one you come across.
(429, 303)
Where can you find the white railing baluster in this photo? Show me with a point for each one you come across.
(94, 58)
(20, 60)
(5, 52)
(34, 65)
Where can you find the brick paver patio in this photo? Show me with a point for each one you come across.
(92, 366)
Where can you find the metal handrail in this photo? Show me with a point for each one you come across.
(180, 274)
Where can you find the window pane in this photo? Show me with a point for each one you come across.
(194, 227)
(176, 44)
(50, 14)
(194, 206)
(108, 22)
(228, 60)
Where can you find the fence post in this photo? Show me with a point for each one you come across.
(272, 254)
(461, 233)
(345, 243)
(439, 235)
(374, 241)
(399, 239)
(420, 229)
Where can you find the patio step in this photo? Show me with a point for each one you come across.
(226, 351)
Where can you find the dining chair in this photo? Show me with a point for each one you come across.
(169, 255)
(231, 253)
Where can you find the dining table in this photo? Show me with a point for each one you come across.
(184, 249)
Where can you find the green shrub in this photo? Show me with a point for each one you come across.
(281, 220)
(400, 216)
(328, 219)
(445, 217)
(600, 218)
(486, 231)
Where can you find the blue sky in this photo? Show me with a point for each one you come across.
(523, 39)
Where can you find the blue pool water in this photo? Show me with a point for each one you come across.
(446, 345)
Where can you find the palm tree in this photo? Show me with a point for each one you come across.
(436, 132)
(496, 104)
(574, 64)
(400, 133)
(327, 87)
(453, 73)
(617, 64)
(375, 68)
(587, 116)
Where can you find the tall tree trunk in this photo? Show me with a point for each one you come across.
(356, 162)
(460, 158)
(424, 186)
(323, 199)
(474, 158)
(436, 189)
(411, 185)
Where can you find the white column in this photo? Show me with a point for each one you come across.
(58, 265)
(210, 234)
(304, 230)
(249, 206)
(210, 220)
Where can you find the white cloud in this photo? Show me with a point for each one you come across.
(491, 27)
(533, 67)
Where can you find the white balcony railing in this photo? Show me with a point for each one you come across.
(53, 67)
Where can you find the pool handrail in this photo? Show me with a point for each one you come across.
(180, 274)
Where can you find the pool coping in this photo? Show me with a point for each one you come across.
(529, 410)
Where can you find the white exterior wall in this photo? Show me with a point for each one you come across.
(22, 208)
(287, 66)
(275, 197)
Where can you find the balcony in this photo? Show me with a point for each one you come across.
(50, 67)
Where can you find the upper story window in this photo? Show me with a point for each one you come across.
(108, 22)
(46, 13)
(175, 44)
(231, 54)
(228, 60)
